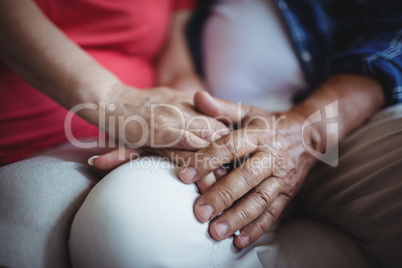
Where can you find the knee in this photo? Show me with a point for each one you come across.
(31, 184)
(134, 216)
(38, 198)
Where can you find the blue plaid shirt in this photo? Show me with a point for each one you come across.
(343, 36)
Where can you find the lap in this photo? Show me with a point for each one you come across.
(38, 199)
(40, 196)
(362, 196)
(149, 217)
(144, 217)
(141, 215)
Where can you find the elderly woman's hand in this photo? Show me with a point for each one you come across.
(159, 117)
(253, 195)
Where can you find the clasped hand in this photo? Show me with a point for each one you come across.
(252, 196)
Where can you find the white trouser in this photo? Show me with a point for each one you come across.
(141, 215)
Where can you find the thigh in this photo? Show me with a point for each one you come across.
(306, 243)
(38, 199)
(362, 196)
(141, 215)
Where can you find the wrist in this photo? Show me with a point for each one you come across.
(187, 83)
(345, 99)
(101, 96)
(313, 133)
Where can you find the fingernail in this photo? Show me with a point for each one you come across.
(205, 212)
(188, 174)
(221, 229)
(237, 233)
(91, 160)
(220, 172)
(216, 137)
(244, 240)
(225, 131)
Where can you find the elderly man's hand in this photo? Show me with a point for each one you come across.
(121, 155)
(253, 195)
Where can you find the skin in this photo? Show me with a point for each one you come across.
(253, 195)
(73, 77)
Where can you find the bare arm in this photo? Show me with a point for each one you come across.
(42, 55)
(358, 97)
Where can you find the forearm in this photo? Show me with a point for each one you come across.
(44, 57)
(357, 96)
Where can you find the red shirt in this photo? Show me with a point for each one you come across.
(125, 36)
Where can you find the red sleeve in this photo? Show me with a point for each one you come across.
(183, 4)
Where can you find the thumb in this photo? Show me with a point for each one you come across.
(114, 158)
(223, 110)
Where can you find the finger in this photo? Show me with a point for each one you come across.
(220, 172)
(253, 231)
(226, 149)
(206, 128)
(228, 111)
(206, 183)
(247, 209)
(178, 157)
(232, 187)
(171, 137)
(114, 158)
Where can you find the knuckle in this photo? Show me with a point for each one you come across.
(243, 217)
(263, 198)
(225, 196)
(244, 179)
(261, 227)
(278, 183)
(205, 133)
(208, 161)
(274, 213)
(212, 158)
(184, 141)
(164, 132)
(233, 146)
(249, 175)
(219, 127)
(288, 185)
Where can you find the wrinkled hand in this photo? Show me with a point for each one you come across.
(119, 156)
(254, 194)
(159, 117)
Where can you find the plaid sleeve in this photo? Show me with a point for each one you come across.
(377, 53)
